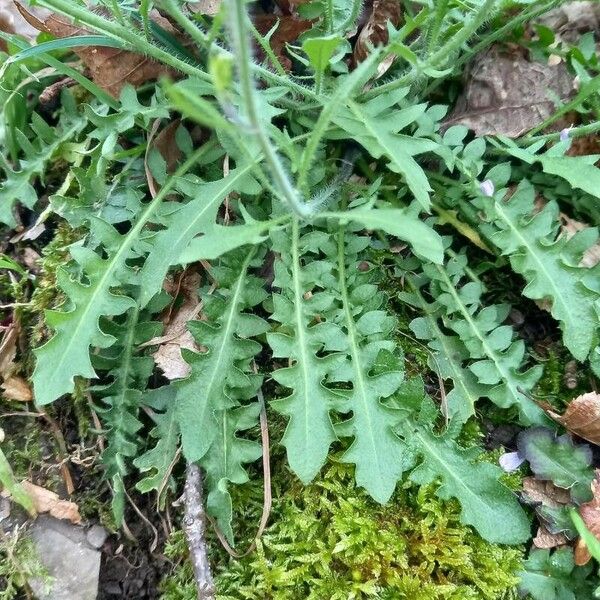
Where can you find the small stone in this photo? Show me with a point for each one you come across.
(96, 536)
(72, 567)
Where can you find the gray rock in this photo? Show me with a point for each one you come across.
(73, 566)
(96, 536)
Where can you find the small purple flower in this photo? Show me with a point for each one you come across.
(487, 188)
(511, 461)
(564, 134)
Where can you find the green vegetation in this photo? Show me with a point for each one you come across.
(329, 249)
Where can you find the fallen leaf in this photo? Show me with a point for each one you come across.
(16, 388)
(591, 257)
(8, 349)
(288, 30)
(545, 539)
(508, 95)
(12, 21)
(111, 68)
(590, 513)
(176, 335)
(166, 145)
(208, 8)
(582, 416)
(542, 496)
(545, 493)
(571, 19)
(46, 501)
(584, 146)
(581, 554)
(375, 31)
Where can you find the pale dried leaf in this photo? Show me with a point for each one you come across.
(176, 335)
(8, 349)
(590, 513)
(16, 388)
(208, 8)
(591, 257)
(582, 417)
(13, 21)
(508, 95)
(46, 501)
(573, 18)
(545, 493)
(545, 539)
(375, 32)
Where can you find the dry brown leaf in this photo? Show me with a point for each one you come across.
(581, 554)
(591, 257)
(46, 501)
(16, 388)
(508, 95)
(545, 493)
(11, 21)
(8, 349)
(590, 513)
(111, 68)
(545, 539)
(573, 18)
(375, 32)
(582, 416)
(289, 7)
(288, 30)
(208, 8)
(167, 146)
(176, 335)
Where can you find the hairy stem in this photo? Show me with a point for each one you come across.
(440, 56)
(174, 11)
(284, 186)
(354, 12)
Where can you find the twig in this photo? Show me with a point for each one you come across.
(194, 527)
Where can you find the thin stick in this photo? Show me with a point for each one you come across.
(194, 527)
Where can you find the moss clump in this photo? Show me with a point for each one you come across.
(330, 541)
(46, 294)
(19, 563)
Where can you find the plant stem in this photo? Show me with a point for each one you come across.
(286, 190)
(433, 34)
(354, 12)
(591, 87)
(174, 10)
(439, 57)
(137, 42)
(497, 34)
(552, 137)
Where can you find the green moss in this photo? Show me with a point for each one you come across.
(330, 541)
(22, 445)
(46, 294)
(563, 378)
(18, 563)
